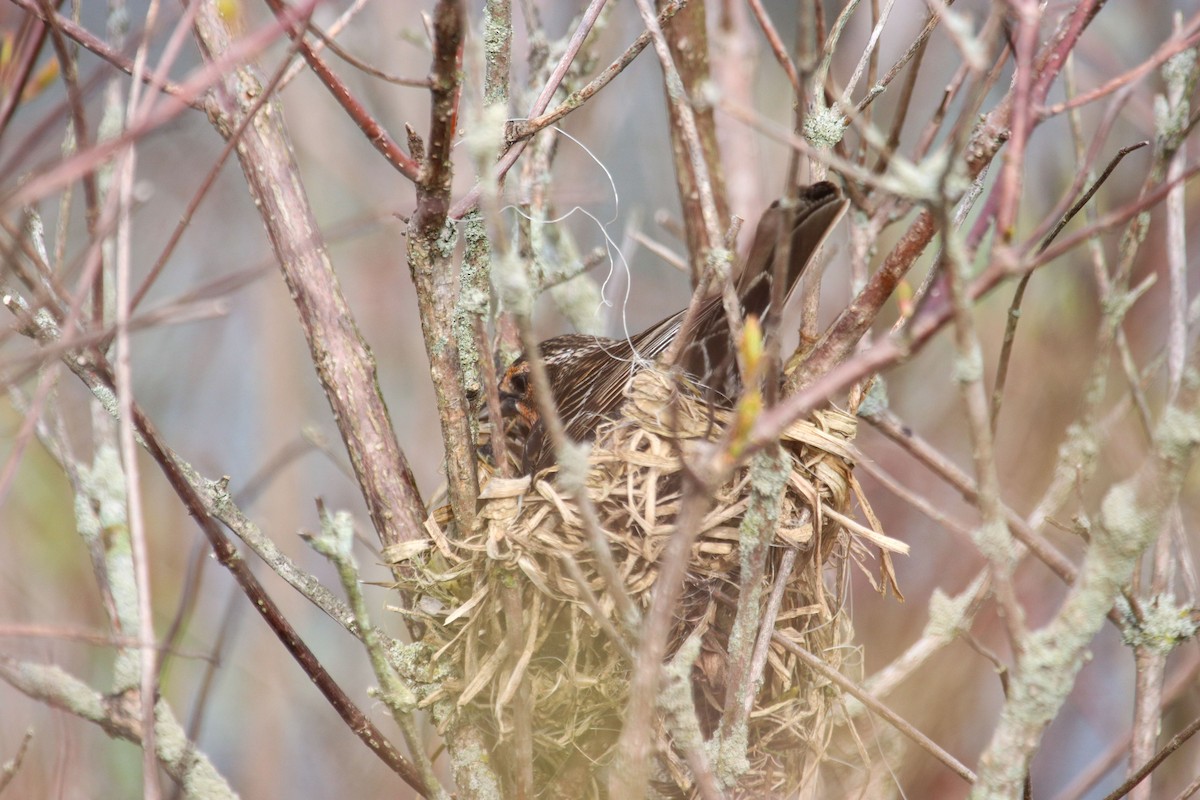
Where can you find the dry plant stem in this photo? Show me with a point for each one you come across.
(700, 183)
(374, 132)
(209, 179)
(634, 747)
(218, 504)
(914, 499)
(1025, 530)
(519, 744)
(1180, 78)
(895, 720)
(1076, 461)
(1024, 43)
(778, 48)
(948, 617)
(924, 324)
(430, 253)
(9, 769)
(97, 46)
(79, 127)
(587, 21)
(870, 52)
(229, 557)
(123, 372)
(116, 715)
(325, 38)
(1131, 515)
(1180, 41)
(1010, 329)
(701, 193)
(343, 360)
(915, 51)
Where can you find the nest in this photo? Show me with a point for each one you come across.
(517, 605)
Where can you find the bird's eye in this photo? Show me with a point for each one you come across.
(519, 382)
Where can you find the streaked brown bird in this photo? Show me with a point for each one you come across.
(588, 374)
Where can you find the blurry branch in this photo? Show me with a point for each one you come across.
(814, 663)
(9, 769)
(1181, 40)
(374, 132)
(201, 192)
(1014, 310)
(754, 620)
(1179, 685)
(1135, 781)
(118, 716)
(856, 319)
(1131, 516)
(930, 319)
(68, 170)
(336, 543)
(99, 47)
(199, 496)
(1150, 656)
(30, 39)
(992, 537)
(326, 39)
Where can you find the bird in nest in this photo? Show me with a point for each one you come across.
(589, 374)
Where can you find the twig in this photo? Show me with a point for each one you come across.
(341, 357)
(429, 262)
(895, 720)
(185, 763)
(374, 132)
(1131, 516)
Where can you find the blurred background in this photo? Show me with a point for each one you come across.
(235, 395)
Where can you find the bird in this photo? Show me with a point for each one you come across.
(589, 374)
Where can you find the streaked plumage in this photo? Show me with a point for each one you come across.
(588, 374)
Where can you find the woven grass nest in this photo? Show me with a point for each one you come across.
(558, 670)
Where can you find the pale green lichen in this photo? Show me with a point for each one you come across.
(823, 127)
(1125, 525)
(968, 366)
(946, 614)
(1164, 624)
(102, 515)
(995, 542)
